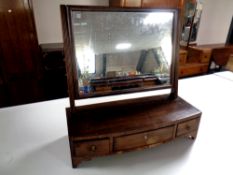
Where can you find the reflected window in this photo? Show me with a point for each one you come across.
(86, 60)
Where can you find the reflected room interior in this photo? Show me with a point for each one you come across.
(122, 52)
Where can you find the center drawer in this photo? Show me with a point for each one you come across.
(143, 139)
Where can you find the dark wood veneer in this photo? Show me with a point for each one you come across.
(147, 3)
(19, 53)
(129, 127)
(117, 120)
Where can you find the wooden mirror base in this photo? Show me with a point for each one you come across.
(101, 132)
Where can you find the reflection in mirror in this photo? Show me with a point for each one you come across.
(191, 21)
(122, 51)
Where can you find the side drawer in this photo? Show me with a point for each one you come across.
(92, 148)
(143, 139)
(187, 127)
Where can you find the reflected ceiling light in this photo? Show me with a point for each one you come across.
(123, 46)
(158, 18)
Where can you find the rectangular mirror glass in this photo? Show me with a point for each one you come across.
(119, 52)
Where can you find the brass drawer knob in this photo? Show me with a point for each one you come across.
(188, 127)
(93, 148)
(145, 137)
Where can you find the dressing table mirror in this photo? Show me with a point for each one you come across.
(121, 68)
(133, 53)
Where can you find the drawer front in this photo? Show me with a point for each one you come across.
(92, 148)
(199, 55)
(187, 127)
(143, 139)
(160, 4)
(182, 56)
(133, 3)
(192, 70)
(205, 58)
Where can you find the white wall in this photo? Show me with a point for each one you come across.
(215, 21)
(48, 18)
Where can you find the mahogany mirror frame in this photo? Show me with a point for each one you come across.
(71, 63)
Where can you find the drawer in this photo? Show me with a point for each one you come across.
(160, 4)
(201, 55)
(133, 3)
(182, 57)
(92, 148)
(125, 3)
(192, 69)
(187, 127)
(205, 57)
(143, 139)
